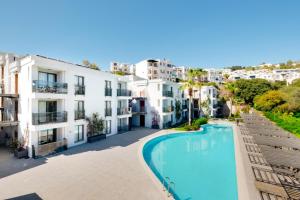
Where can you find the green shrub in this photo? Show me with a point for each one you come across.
(269, 100)
(200, 121)
(286, 121)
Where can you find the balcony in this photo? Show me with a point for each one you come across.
(48, 148)
(123, 111)
(184, 106)
(79, 114)
(167, 93)
(122, 129)
(49, 87)
(167, 109)
(139, 110)
(108, 92)
(79, 90)
(49, 117)
(8, 118)
(123, 93)
(108, 112)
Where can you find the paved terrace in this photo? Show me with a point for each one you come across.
(108, 169)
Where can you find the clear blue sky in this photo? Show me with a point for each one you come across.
(205, 33)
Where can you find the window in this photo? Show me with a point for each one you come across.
(47, 77)
(108, 84)
(79, 133)
(79, 85)
(79, 110)
(47, 136)
(107, 108)
(107, 126)
(79, 105)
(79, 80)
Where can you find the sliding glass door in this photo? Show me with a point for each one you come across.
(47, 110)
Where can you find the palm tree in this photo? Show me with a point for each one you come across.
(188, 85)
(198, 74)
(229, 94)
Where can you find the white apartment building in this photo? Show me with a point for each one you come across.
(49, 99)
(214, 75)
(181, 72)
(155, 69)
(208, 99)
(122, 67)
(154, 103)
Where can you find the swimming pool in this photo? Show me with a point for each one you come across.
(201, 164)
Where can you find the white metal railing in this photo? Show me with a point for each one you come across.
(167, 186)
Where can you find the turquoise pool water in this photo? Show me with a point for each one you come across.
(201, 164)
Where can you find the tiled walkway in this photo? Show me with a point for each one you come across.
(108, 169)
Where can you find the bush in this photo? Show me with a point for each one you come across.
(286, 121)
(200, 121)
(269, 100)
(195, 125)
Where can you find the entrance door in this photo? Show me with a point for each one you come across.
(142, 120)
(142, 106)
(130, 123)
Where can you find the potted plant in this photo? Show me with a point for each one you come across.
(95, 128)
(155, 120)
(20, 150)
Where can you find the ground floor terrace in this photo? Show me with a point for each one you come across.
(107, 169)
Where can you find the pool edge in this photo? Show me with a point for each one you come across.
(240, 165)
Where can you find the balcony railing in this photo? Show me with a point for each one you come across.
(107, 112)
(123, 92)
(138, 110)
(49, 117)
(168, 109)
(48, 148)
(123, 128)
(123, 111)
(167, 93)
(79, 114)
(108, 92)
(79, 89)
(49, 87)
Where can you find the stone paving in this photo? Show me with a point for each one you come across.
(108, 169)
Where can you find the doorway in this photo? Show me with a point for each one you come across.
(142, 120)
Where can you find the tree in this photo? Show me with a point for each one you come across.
(269, 100)
(177, 109)
(246, 90)
(198, 75)
(95, 124)
(228, 94)
(226, 76)
(188, 85)
(90, 65)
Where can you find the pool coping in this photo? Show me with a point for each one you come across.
(245, 192)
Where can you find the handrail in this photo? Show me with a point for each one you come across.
(167, 185)
(171, 183)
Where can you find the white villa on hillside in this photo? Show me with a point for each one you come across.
(288, 75)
